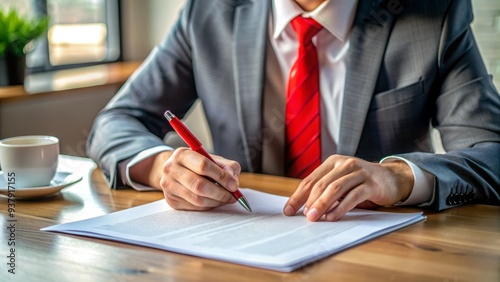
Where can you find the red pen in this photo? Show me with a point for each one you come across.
(196, 145)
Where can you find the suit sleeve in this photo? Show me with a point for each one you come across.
(467, 114)
(133, 120)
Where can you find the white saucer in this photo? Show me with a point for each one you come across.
(60, 181)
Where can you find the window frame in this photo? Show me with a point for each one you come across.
(40, 54)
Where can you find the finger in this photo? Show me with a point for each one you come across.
(202, 190)
(334, 168)
(355, 197)
(335, 190)
(176, 194)
(299, 197)
(303, 191)
(187, 200)
(206, 167)
(179, 203)
(175, 173)
(233, 168)
(334, 205)
(204, 202)
(201, 165)
(328, 210)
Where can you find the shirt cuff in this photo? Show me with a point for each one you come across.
(125, 165)
(422, 193)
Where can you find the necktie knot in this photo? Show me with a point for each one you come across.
(305, 28)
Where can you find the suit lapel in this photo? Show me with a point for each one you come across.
(250, 31)
(368, 40)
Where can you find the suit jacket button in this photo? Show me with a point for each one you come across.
(452, 200)
(449, 200)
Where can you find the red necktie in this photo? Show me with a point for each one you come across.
(303, 127)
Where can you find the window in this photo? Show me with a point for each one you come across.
(486, 27)
(81, 32)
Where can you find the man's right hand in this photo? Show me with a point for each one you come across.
(182, 176)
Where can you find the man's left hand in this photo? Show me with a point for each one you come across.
(342, 183)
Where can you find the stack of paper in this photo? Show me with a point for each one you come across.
(265, 239)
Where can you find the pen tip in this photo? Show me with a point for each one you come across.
(245, 204)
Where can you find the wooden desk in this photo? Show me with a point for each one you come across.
(462, 244)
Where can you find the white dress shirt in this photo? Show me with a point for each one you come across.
(332, 44)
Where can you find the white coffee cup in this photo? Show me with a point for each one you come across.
(29, 161)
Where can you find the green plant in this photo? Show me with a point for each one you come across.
(17, 32)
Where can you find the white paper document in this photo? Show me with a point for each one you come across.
(265, 239)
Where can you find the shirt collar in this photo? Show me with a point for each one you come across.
(336, 16)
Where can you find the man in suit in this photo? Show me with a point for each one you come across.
(385, 72)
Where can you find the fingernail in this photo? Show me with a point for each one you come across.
(289, 210)
(232, 185)
(305, 211)
(312, 214)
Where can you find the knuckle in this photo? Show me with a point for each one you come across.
(181, 150)
(357, 194)
(221, 175)
(167, 166)
(198, 186)
(197, 201)
(179, 153)
(351, 163)
(308, 183)
(293, 201)
(167, 184)
(336, 187)
(331, 159)
(235, 166)
(227, 198)
(322, 203)
(174, 160)
(321, 185)
(164, 184)
(204, 164)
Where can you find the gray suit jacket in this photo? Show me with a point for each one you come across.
(411, 65)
